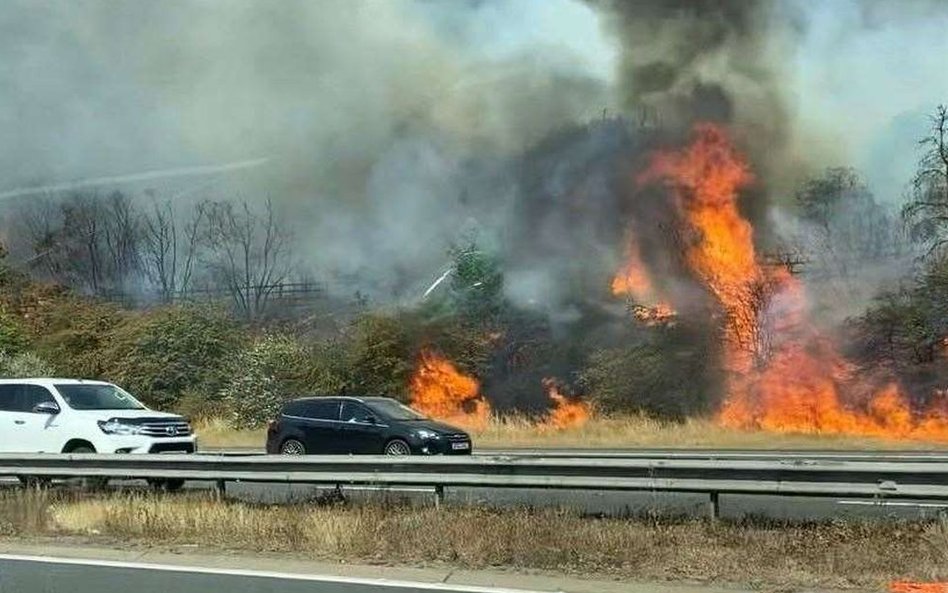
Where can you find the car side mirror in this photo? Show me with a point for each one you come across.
(372, 420)
(51, 408)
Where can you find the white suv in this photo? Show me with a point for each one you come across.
(77, 416)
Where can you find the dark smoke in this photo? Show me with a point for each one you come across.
(721, 61)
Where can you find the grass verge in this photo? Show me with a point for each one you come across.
(827, 555)
(620, 432)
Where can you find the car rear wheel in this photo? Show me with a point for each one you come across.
(292, 447)
(35, 481)
(397, 447)
(167, 485)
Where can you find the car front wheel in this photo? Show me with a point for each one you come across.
(292, 447)
(397, 447)
(91, 483)
(35, 481)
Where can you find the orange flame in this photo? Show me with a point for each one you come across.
(566, 413)
(438, 389)
(660, 314)
(633, 278)
(705, 178)
(783, 374)
(910, 587)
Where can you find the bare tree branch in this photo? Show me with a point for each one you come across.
(249, 253)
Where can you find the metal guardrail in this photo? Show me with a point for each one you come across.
(795, 477)
(801, 455)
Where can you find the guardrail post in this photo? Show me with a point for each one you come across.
(714, 509)
(439, 495)
(221, 488)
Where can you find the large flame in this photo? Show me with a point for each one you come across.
(704, 179)
(438, 389)
(566, 412)
(784, 375)
(660, 314)
(633, 281)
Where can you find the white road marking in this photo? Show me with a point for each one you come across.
(263, 574)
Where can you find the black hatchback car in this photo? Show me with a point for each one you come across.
(360, 426)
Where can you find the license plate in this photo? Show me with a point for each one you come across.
(460, 446)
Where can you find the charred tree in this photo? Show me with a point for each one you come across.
(169, 248)
(248, 253)
(926, 214)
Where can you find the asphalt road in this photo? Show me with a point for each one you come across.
(793, 508)
(608, 503)
(600, 503)
(44, 568)
(618, 503)
(21, 574)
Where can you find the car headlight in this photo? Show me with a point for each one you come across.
(116, 427)
(424, 433)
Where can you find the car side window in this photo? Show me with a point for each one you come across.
(9, 398)
(293, 409)
(31, 395)
(355, 412)
(322, 410)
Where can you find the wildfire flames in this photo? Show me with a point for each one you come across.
(633, 278)
(633, 281)
(661, 313)
(784, 375)
(438, 389)
(566, 413)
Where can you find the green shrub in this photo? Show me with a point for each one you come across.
(161, 354)
(24, 364)
(326, 369)
(72, 333)
(13, 338)
(270, 371)
(380, 356)
(671, 375)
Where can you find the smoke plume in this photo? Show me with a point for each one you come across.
(392, 129)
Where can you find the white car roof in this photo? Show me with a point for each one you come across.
(46, 381)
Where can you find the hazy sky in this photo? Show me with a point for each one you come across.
(95, 87)
(369, 111)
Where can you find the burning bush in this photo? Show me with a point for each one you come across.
(783, 373)
(567, 412)
(441, 391)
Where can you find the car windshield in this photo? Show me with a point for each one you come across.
(391, 409)
(97, 397)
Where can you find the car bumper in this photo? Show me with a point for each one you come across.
(442, 447)
(144, 445)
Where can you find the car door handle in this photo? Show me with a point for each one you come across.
(19, 421)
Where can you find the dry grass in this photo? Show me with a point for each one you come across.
(622, 432)
(837, 555)
(217, 434)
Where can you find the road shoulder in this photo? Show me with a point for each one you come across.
(192, 557)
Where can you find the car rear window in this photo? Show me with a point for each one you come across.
(314, 409)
